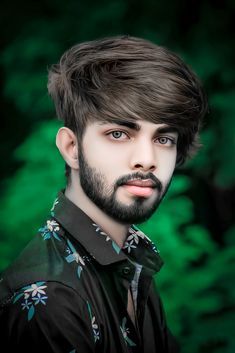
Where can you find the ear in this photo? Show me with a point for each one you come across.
(66, 142)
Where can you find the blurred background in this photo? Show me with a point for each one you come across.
(194, 228)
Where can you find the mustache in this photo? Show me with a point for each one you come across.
(123, 180)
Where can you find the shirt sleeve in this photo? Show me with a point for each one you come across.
(47, 317)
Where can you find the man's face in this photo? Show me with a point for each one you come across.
(125, 169)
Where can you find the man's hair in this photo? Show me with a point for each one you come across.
(127, 78)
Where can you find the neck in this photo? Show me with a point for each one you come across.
(117, 231)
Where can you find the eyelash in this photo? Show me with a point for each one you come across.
(112, 132)
(172, 140)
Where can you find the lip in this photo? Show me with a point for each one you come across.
(140, 191)
(141, 183)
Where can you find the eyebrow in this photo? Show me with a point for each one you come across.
(134, 126)
(166, 129)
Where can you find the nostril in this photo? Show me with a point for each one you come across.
(145, 168)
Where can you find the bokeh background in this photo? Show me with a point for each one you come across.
(195, 226)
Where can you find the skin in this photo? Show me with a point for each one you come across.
(110, 155)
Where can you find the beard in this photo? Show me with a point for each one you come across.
(103, 195)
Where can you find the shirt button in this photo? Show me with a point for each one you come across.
(126, 270)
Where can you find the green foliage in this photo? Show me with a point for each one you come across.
(198, 295)
(217, 159)
(25, 62)
(31, 190)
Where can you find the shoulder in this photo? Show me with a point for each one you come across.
(46, 258)
(41, 296)
(42, 311)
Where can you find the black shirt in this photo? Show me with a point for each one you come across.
(67, 291)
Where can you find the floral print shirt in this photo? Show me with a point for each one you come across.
(67, 291)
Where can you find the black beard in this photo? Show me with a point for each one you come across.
(104, 196)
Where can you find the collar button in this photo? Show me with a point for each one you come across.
(126, 270)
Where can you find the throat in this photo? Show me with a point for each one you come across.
(132, 295)
(130, 307)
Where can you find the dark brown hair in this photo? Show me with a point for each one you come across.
(128, 78)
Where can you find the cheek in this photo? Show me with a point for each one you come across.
(103, 160)
(98, 153)
(166, 167)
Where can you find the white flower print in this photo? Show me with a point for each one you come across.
(78, 258)
(133, 237)
(35, 289)
(52, 225)
(50, 230)
(37, 295)
(107, 238)
(96, 335)
(131, 241)
(129, 246)
(94, 325)
(137, 233)
(26, 305)
(40, 299)
(54, 204)
(125, 332)
(99, 230)
(74, 256)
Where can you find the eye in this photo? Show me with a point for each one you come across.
(118, 135)
(166, 141)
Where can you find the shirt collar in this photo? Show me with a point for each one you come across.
(137, 248)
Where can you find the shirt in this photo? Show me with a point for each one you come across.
(67, 291)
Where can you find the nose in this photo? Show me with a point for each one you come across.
(143, 156)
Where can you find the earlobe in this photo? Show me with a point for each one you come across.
(66, 142)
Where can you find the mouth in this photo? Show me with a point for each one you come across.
(141, 183)
(144, 188)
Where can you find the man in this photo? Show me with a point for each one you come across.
(131, 112)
